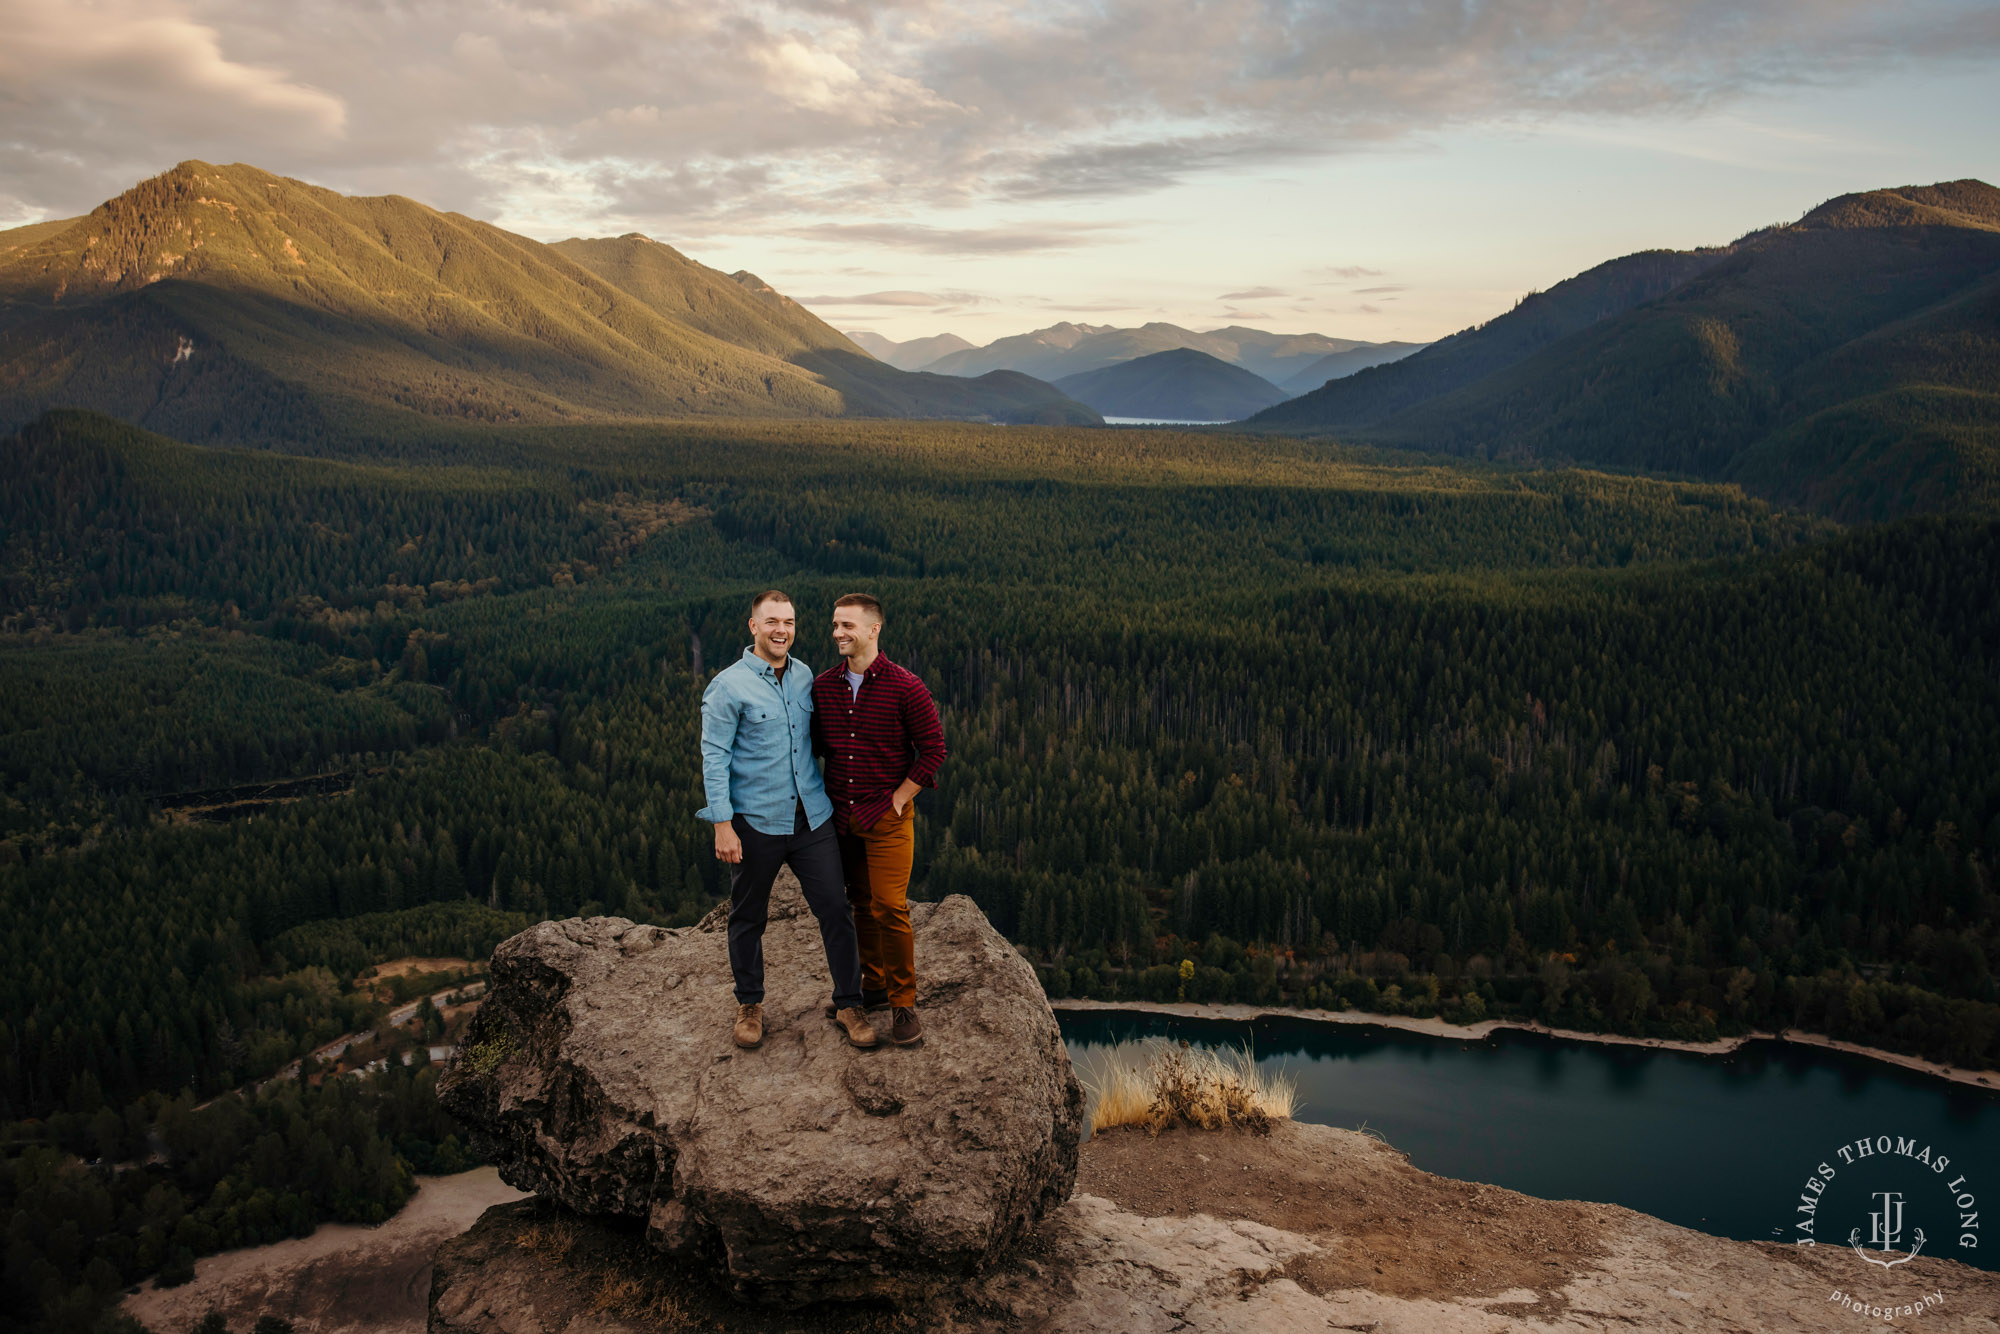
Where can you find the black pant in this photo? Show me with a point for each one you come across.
(814, 857)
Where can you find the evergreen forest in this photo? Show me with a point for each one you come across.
(1261, 719)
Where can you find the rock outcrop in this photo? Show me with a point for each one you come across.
(1308, 1229)
(599, 1074)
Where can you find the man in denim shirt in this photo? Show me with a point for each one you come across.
(769, 808)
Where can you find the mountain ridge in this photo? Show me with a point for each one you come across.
(1340, 365)
(910, 355)
(1849, 361)
(1067, 348)
(1537, 320)
(227, 303)
(1180, 384)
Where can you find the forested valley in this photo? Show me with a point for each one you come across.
(1264, 720)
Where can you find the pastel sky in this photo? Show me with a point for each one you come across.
(1362, 168)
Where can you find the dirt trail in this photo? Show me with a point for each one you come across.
(343, 1279)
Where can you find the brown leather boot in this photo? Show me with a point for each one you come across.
(871, 1001)
(907, 1031)
(854, 1022)
(749, 1030)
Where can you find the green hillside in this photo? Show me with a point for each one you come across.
(1850, 362)
(1540, 319)
(740, 310)
(19, 238)
(228, 304)
(1179, 385)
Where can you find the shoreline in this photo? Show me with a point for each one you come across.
(1988, 1080)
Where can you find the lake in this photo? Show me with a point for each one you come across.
(1157, 421)
(1722, 1144)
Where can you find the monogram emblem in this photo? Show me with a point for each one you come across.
(1885, 1230)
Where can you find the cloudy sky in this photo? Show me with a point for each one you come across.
(1365, 168)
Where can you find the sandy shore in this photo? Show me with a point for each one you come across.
(343, 1279)
(1438, 1028)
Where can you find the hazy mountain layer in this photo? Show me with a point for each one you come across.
(1338, 365)
(912, 355)
(225, 303)
(1177, 385)
(1071, 349)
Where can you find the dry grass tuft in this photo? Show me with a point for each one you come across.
(552, 1240)
(1157, 1084)
(649, 1299)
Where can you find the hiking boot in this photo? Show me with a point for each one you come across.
(749, 1030)
(908, 1030)
(854, 1022)
(870, 1001)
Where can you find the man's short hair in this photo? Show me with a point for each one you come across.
(863, 601)
(768, 595)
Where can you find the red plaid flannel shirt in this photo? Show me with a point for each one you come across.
(875, 740)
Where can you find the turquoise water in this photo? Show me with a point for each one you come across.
(1722, 1144)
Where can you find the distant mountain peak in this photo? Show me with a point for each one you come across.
(1180, 383)
(1837, 362)
(315, 312)
(912, 355)
(1069, 348)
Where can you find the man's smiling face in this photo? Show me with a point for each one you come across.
(854, 630)
(772, 627)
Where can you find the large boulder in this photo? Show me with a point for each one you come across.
(600, 1074)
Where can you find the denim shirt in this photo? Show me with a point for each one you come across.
(756, 746)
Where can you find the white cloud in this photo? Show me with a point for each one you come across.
(781, 116)
(1003, 240)
(165, 68)
(922, 299)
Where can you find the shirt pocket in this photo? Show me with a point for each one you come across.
(761, 721)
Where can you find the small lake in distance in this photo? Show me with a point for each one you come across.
(1720, 1144)
(1157, 421)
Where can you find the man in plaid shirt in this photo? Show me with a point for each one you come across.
(878, 729)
